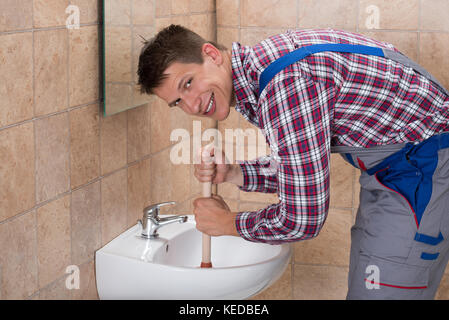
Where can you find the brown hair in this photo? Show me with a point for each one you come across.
(174, 43)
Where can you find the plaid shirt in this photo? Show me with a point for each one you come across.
(328, 98)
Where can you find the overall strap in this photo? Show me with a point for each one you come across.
(303, 52)
(306, 51)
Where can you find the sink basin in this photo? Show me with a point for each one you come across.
(131, 267)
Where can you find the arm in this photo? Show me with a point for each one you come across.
(302, 150)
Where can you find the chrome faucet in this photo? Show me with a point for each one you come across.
(151, 222)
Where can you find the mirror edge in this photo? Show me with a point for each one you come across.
(102, 67)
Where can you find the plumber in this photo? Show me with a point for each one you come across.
(313, 92)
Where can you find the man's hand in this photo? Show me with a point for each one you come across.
(213, 216)
(218, 171)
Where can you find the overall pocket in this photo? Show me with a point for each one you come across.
(379, 278)
(386, 218)
(398, 275)
(414, 177)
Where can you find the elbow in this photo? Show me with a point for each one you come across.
(303, 226)
(306, 233)
(311, 231)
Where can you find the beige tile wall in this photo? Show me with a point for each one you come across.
(70, 179)
(419, 28)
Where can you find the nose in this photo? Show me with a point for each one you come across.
(192, 103)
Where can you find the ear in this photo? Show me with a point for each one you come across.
(208, 50)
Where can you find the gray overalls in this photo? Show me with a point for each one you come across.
(400, 240)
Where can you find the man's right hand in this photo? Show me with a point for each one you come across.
(218, 171)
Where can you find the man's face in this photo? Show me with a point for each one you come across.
(203, 90)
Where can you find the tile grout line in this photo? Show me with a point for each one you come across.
(69, 144)
(49, 28)
(298, 6)
(127, 168)
(36, 233)
(418, 42)
(48, 115)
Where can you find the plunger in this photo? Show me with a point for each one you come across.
(207, 193)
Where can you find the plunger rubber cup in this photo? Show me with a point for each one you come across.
(206, 265)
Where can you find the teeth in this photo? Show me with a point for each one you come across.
(210, 103)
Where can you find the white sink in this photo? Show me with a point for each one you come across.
(131, 267)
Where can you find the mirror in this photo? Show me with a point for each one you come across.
(122, 29)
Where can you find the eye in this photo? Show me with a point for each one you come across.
(186, 86)
(188, 83)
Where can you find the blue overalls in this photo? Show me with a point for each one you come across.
(399, 242)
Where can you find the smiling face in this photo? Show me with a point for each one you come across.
(203, 90)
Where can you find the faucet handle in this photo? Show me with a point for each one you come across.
(153, 210)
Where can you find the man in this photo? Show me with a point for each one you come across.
(336, 90)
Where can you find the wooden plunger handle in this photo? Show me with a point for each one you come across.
(205, 262)
(207, 193)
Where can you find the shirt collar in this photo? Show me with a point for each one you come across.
(245, 81)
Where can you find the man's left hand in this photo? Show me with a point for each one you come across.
(213, 216)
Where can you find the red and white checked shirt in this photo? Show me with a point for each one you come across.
(328, 98)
